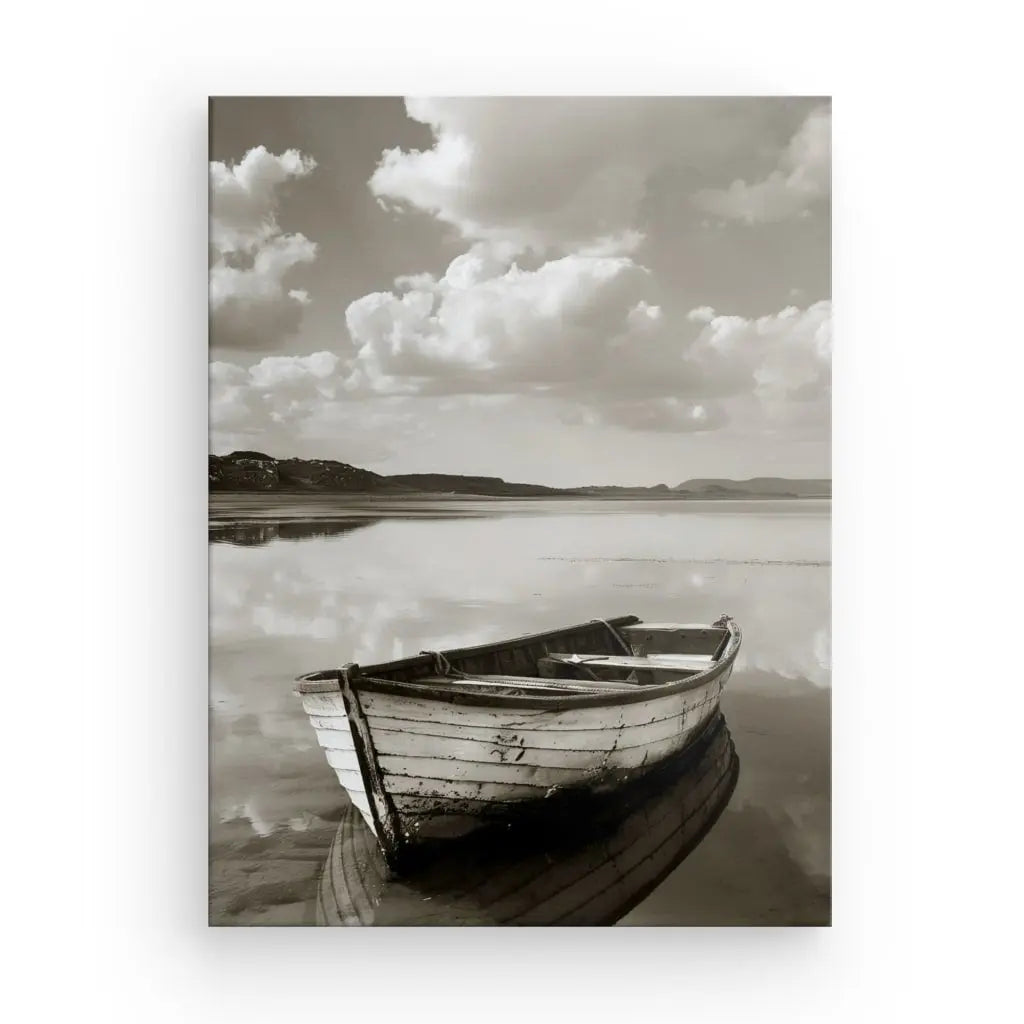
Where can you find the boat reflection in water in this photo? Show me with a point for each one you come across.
(591, 871)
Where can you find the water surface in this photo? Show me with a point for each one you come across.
(310, 583)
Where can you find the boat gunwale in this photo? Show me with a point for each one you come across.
(364, 680)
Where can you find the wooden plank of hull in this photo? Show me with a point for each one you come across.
(412, 709)
(339, 748)
(665, 718)
(543, 768)
(436, 809)
(342, 760)
(338, 741)
(417, 714)
(391, 735)
(330, 704)
(380, 707)
(534, 747)
(350, 778)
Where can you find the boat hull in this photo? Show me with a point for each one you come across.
(451, 768)
(422, 766)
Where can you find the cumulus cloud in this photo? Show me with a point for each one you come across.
(563, 174)
(586, 330)
(487, 324)
(551, 297)
(251, 306)
(786, 355)
(276, 392)
(245, 199)
(297, 405)
(566, 180)
(802, 177)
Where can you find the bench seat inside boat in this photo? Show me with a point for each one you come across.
(529, 684)
(660, 666)
(674, 638)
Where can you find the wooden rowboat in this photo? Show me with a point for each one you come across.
(438, 745)
(589, 872)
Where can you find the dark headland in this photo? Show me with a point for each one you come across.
(254, 471)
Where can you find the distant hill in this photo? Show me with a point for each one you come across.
(256, 471)
(616, 491)
(453, 483)
(758, 487)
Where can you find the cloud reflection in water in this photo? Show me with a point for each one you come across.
(281, 605)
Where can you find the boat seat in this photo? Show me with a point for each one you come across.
(531, 684)
(674, 638)
(554, 666)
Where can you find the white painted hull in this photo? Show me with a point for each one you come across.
(336, 739)
(450, 768)
(440, 744)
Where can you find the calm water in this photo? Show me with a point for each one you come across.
(302, 586)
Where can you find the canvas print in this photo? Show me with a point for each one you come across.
(519, 511)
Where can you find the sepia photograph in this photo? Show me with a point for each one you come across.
(565, 615)
(520, 526)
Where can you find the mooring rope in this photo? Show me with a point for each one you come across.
(444, 666)
(615, 633)
(626, 648)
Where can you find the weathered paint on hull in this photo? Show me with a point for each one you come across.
(451, 768)
(335, 737)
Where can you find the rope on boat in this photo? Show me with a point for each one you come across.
(626, 649)
(443, 666)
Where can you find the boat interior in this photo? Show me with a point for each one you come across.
(595, 657)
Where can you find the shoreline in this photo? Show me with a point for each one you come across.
(268, 508)
(467, 496)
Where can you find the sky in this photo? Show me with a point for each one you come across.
(567, 291)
